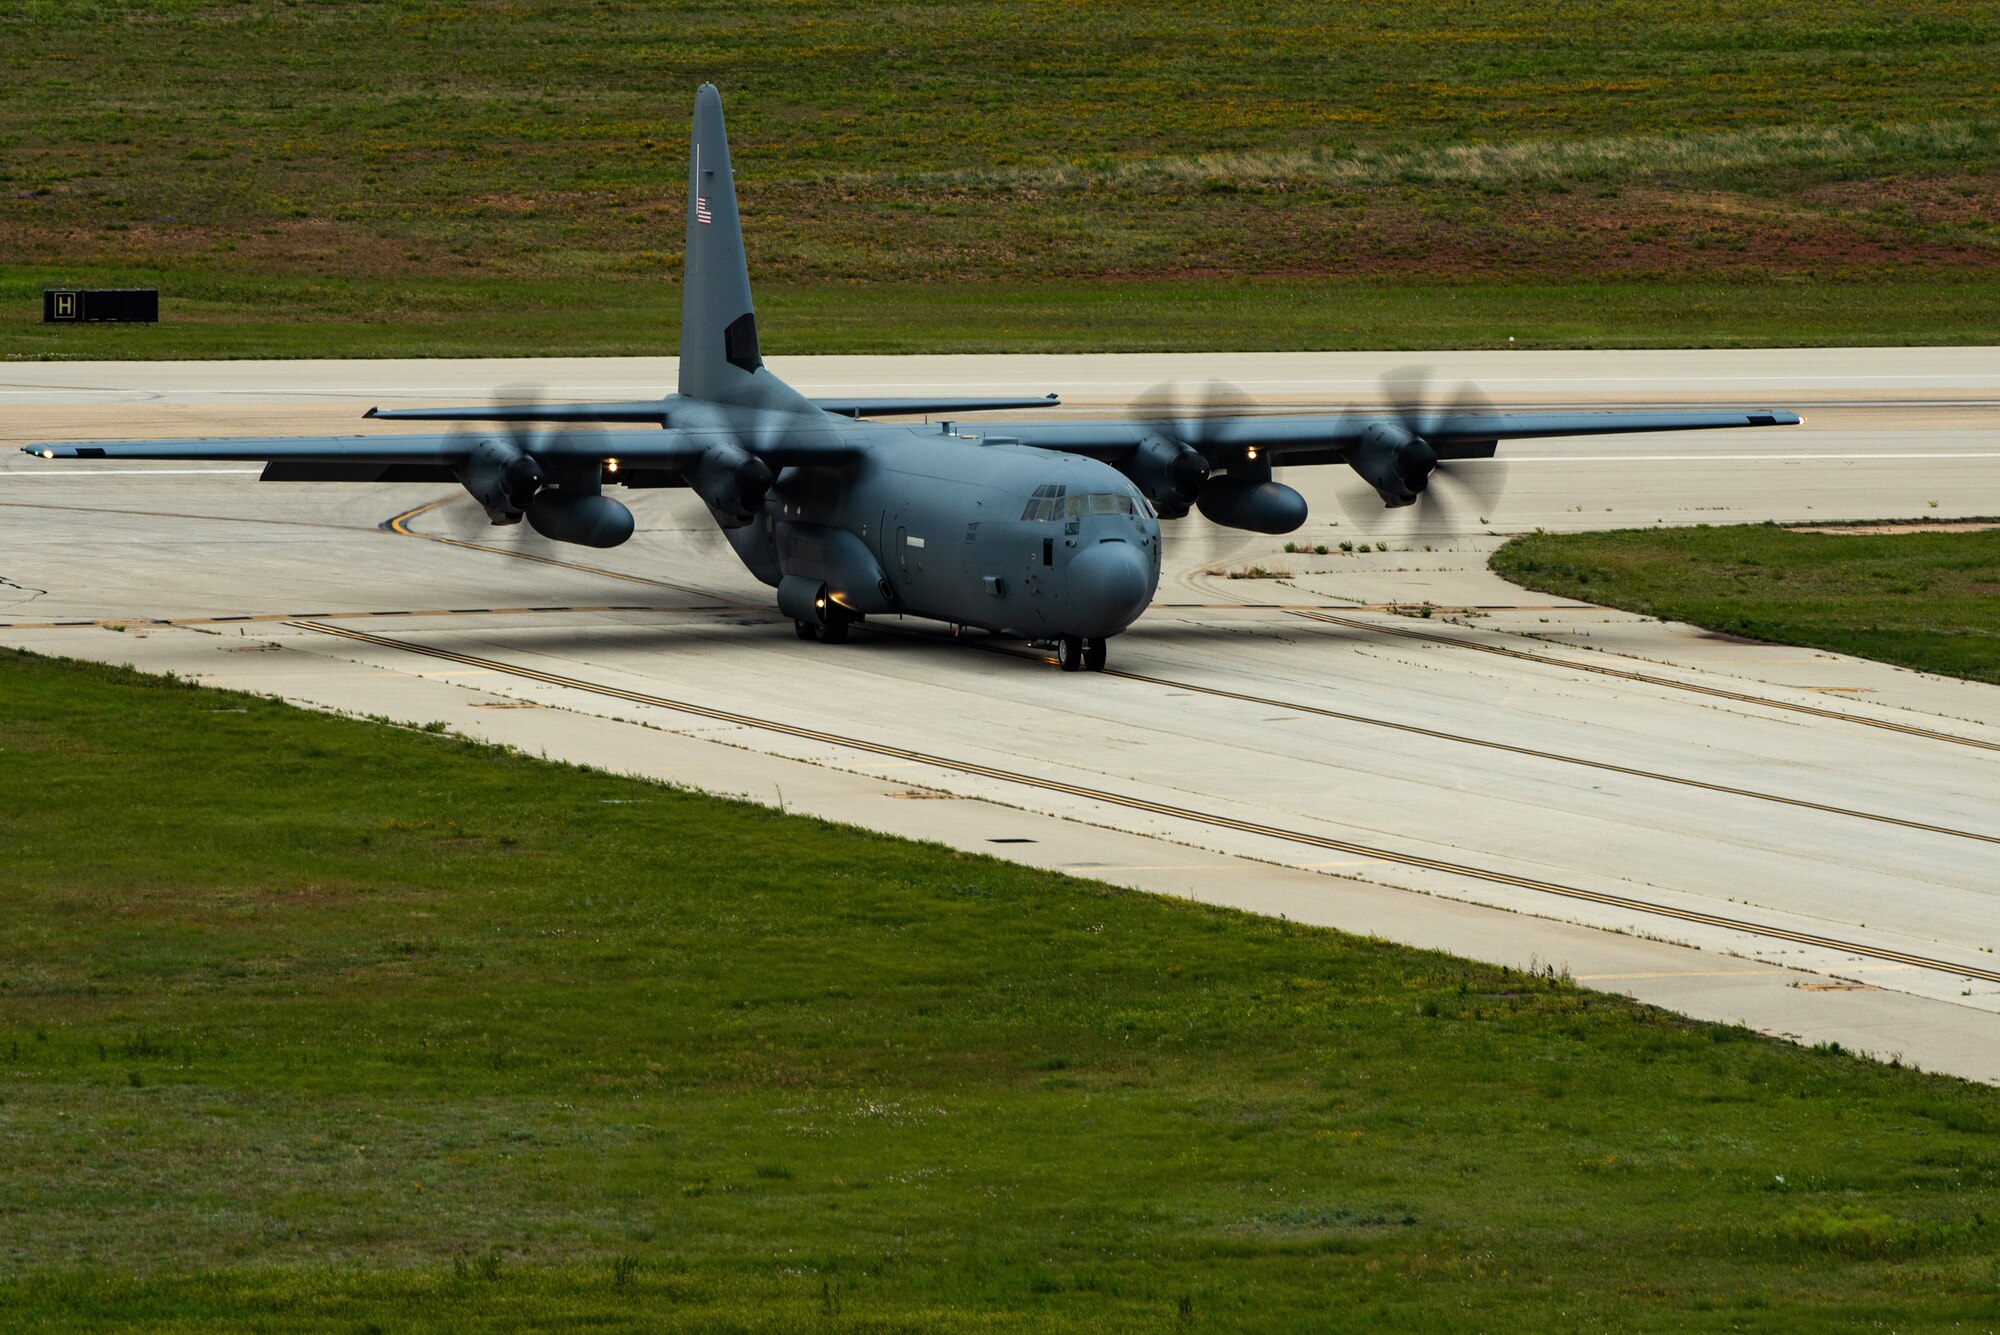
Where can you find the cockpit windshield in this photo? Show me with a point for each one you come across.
(1052, 501)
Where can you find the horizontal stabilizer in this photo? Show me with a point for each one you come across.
(649, 410)
(658, 410)
(911, 407)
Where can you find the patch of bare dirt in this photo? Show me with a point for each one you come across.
(1928, 199)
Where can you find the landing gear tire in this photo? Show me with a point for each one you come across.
(1069, 653)
(829, 628)
(1094, 654)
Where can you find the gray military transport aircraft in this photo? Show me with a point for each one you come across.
(1046, 531)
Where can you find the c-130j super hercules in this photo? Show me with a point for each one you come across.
(1045, 531)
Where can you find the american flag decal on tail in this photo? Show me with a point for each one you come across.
(701, 213)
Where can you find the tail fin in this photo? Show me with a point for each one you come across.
(719, 356)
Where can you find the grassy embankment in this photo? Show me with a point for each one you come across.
(311, 1023)
(1929, 601)
(360, 178)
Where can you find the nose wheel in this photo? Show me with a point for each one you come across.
(1076, 654)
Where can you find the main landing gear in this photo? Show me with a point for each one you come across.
(830, 627)
(1076, 654)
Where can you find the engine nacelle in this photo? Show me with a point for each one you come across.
(1261, 507)
(590, 521)
(1394, 462)
(1169, 472)
(733, 482)
(501, 478)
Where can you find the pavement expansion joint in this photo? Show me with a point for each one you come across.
(1188, 815)
(1650, 679)
(1183, 687)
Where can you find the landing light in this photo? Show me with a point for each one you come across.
(48, 454)
(1251, 452)
(820, 603)
(611, 465)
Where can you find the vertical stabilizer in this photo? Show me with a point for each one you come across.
(719, 356)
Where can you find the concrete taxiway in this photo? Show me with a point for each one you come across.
(1800, 841)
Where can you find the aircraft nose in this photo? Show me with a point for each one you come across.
(1109, 586)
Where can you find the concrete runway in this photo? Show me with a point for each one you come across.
(1803, 842)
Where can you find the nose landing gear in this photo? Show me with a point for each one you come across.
(1076, 654)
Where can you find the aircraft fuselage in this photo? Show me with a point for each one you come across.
(976, 532)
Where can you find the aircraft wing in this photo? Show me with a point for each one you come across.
(646, 410)
(879, 407)
(416, 458)
(1318, 440)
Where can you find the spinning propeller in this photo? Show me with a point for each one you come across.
(552, 476)
(1395, 455)
(520, 471)
(1184, 428)
(1191, 433)
(1169, 466)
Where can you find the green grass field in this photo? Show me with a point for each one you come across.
(1929, 601)
(321, 317)
(1099, 167)
(312, 1024)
